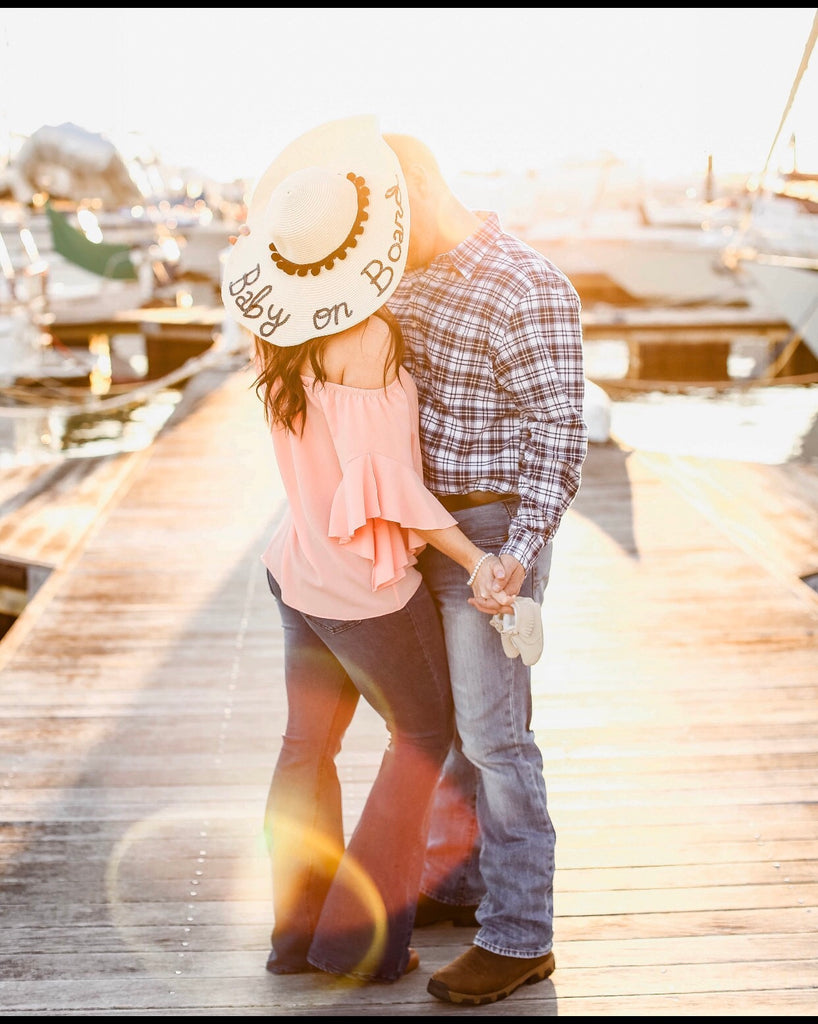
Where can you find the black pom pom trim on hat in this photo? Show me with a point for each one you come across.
(351, 240)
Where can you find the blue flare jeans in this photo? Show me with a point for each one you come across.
(349, 908)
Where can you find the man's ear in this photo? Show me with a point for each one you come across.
(417, 180)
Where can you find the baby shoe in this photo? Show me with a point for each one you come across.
(521, 630)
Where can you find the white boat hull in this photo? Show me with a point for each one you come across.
(793, 292)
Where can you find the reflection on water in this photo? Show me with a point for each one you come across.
(119, 430)
(100, 399)
(33, 435)
(748, 422)
(757, 424)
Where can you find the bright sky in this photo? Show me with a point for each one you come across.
(223, 90)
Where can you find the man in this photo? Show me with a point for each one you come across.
(494, 343)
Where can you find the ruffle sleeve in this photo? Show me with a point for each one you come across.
(379, 504)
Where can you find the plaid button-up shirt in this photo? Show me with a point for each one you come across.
(494, 343)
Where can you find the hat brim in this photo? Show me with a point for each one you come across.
(286, 308)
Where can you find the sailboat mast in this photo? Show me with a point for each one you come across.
(793, 91)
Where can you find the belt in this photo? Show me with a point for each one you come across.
(457, 502)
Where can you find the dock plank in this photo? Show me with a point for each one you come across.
(141, 709)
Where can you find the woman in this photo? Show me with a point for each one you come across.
(326, 247)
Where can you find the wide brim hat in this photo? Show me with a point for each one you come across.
(328, 235)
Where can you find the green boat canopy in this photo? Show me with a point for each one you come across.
(106, 259)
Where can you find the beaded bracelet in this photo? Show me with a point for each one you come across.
(476, 569)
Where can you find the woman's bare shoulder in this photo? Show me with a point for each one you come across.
(357, 359)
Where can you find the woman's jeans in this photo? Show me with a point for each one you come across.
(351, 911)
(502, 856)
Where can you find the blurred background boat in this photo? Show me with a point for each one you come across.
(778, 249)
(173, 223)
(109, 295)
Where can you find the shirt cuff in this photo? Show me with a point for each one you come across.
(524, 546)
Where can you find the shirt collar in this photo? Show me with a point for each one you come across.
(467, 254)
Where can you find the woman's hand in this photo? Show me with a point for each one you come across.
(243, 230)
(490, 589)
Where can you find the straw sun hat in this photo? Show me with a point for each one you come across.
(329, 230)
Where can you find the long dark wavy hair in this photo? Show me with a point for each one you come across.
(279, 385)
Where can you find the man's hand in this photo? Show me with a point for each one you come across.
(508, 578)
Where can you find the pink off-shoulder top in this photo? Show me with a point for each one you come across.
(346, 546)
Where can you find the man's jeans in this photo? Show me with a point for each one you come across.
(502, 857)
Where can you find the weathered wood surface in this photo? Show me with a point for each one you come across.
(46, 509)
(141, 705)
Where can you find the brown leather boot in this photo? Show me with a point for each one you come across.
(431, 911)
(478, 976)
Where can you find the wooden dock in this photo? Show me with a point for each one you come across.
(141, 708)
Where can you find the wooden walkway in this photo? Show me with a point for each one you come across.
(141, 705)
